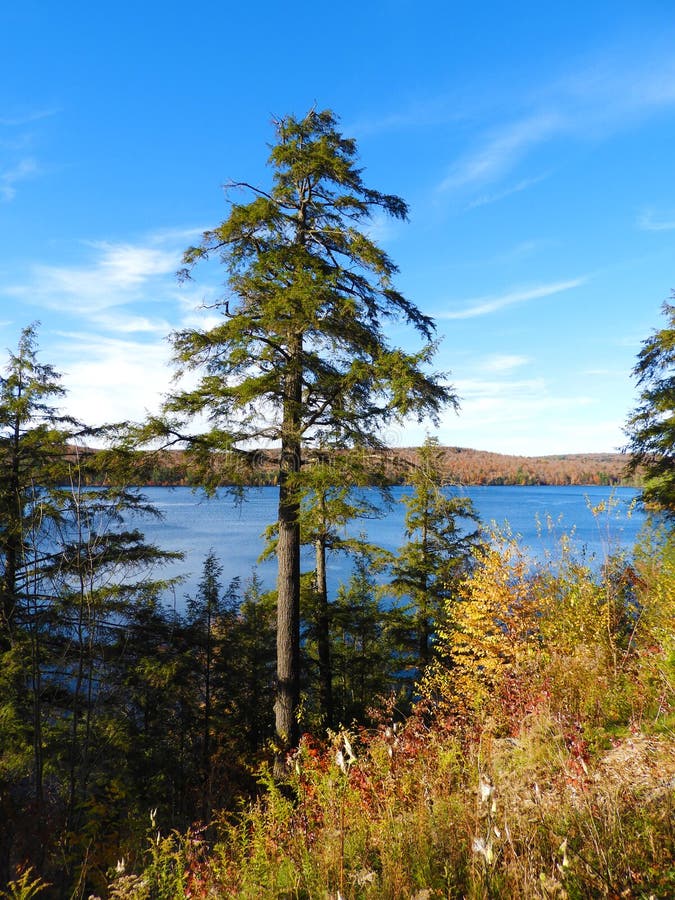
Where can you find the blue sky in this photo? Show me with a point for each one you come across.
(533, 143)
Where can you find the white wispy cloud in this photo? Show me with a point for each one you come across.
(521, 250)
(115, 275)
(129, 265)
(20, 119)
(492, 390)
(482, 306)
(649, 221)
(618, 88)
(502, 150)
(10, 177)
(107, 318)
(522, 185)
(504, 362)
(418, 113)
(497, 415)
(111, 379)
(16, 143)
(602, 97)
(382, 228)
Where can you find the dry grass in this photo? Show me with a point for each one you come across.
(560, 784)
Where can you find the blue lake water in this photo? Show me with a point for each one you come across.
(194, 525)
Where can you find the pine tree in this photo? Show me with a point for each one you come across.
(73, 574)
(33, 443)
(338, 488)
(252, 648)
(300, 355)
(211, 618)
(439, 549)
(101, 574)
(369, 659)
(651, 427)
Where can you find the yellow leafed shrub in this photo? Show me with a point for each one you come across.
(582, 640)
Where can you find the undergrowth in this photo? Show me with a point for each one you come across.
(539, 763)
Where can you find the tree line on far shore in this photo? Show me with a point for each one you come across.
(459, 466)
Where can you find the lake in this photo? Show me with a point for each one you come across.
(194, 525)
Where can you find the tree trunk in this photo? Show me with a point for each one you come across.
(206, 737)
(423, 606)
(323, 636)
(12, 542)
(288, 560)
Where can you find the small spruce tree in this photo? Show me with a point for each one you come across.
(439, 549)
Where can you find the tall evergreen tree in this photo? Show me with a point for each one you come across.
(72, 576)
(300, 356)
(33, 442)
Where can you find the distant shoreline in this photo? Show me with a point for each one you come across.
(459, 465)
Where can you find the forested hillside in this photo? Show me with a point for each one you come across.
(460, 465)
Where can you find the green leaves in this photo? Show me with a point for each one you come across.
(301, 269)
(651, 427)
(301, 355)
(439, 549)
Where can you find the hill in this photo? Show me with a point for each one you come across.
(461, 466)
(467, 466)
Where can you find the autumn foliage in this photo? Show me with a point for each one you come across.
(539, 761)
